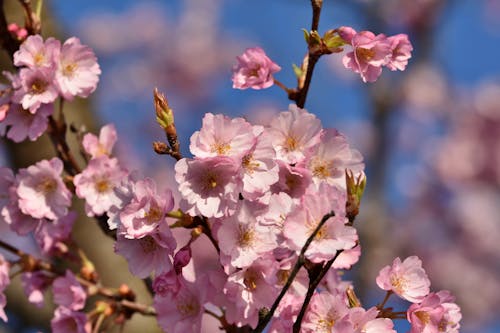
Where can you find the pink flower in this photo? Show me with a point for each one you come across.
(36, 87)
(242, 239)
(77, 71)
(20, 124)
(17, 32)
(407, 279)
(41, 191)
(222, 136)
(436, 313)
(401, 52)
(103, 145)
(251, 289)
(181, 312)
(360, 320)
(34, 52)
(330, 159)
(254, 70)
(34, 284)
(148, 254)
(68, 292)
(168, 283)
(68, 321)
(4, 282)
(53, 237)
(334, 235)
(324, 311)
(293, 180)
(209, 186)
(293, 133)
(145, 211)
(96, 184)
(369, 55)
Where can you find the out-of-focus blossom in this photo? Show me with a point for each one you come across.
(254, 70)
(102, 145)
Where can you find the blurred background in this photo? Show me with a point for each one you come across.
(430, 135)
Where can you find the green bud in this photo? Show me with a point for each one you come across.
(297, 71)
(332, 41)
(164, 114)
(355, 189)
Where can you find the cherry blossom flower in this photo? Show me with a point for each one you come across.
(401, 52)
(293, 133)
(360, 320)
(251, 289)
(181, 312)
(53, 237)
(145, 211)
(148, 254)
(334, 235)
(324, 311)
(222, 136)
(168, 283)
(254, 70)
(41, 191)
(34, 284)
(20, 124)
(436, 313)
(209, 187)
(96, 184)
(242, 239)
(102, 145)
(4, 282)
(68, 321)
(35, 87)
(293, 180)
(370, 53)
(407, 279)
(35, 53)
(330, 159)
(77, 71)
(68, 292)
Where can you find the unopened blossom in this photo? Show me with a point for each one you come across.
(222, 136)
(293, 133)
(36, 87)
(251, 289)
(68, 292)
(254, 70)
(209, 186)
(370, 53)
(96, 184)
(34, 52)
(20, 124)
(406, 279)
(333, 236)
(41, 190)
(77, 71)
(4, 282)
(17, 32)
(242, 239)
(436, 313)
(69, 321)
(181, 312)
(102, 145)
(330, 159)
(151, 253)
(324, 311)
(401, 52)
(146, 210)
(34, 284)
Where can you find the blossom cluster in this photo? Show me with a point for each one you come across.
(47, 70)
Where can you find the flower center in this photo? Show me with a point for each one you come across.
(249, 164)
(325, 324)
(39, 59)
(102, 185)
(153, 215)
(398, 283)
(365, 54)
(47, 185)
(423, 316)
(188, 307)
(210, 181)
(221, 148)
(38, 86)
(321, 170)
(291, 143)
(148, 244)
(250, 280)
(69, 69)
(246, 236)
